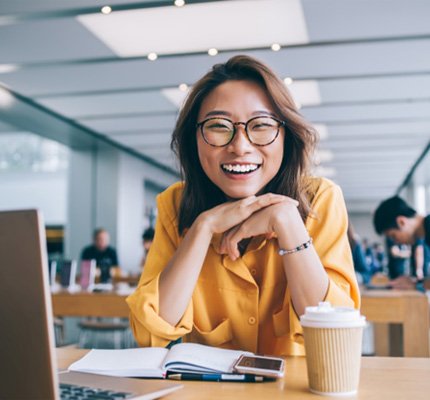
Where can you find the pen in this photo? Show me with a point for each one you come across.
(216, 377)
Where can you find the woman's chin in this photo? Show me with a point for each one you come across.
(238, 195)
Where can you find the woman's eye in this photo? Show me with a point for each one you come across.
(262, 127)
(217, 126)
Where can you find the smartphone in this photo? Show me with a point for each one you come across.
(272, 367)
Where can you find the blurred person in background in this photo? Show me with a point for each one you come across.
(361, 266)
(105, 255)
(400, 223)
(398, 258)
(380, 257)
(419, 259)
(147, 238)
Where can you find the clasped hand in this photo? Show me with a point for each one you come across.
(248, 217)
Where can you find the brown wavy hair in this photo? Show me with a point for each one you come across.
(199, 193)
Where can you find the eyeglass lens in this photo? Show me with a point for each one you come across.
(220, 131)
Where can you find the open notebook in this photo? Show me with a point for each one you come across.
(155, 362)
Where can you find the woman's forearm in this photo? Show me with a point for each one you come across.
(178, 280)
(307, 280)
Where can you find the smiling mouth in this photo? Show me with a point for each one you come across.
(240, 169)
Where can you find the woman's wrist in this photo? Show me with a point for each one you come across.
(202, 225)
(290, 229)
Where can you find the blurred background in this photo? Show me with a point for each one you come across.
(90, 90)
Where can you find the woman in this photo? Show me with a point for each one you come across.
(215, 274)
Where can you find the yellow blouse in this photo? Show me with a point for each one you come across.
(243, 304)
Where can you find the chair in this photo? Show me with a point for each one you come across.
(59, 331)
(379, 280)
(105, 333)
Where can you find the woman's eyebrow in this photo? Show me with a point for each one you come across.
(218, 112)
(264, 112)
(227, 114)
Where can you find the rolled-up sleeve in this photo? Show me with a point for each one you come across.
(328, 228)
(148, 327)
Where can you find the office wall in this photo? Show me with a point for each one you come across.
(106, 189)
(131, 210)
(363, 225)
(134, 197)
(42, 190)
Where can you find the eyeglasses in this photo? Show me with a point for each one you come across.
(260, 131)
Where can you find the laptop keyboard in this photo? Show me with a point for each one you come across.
(75, 392)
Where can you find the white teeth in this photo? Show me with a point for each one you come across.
(240, 168)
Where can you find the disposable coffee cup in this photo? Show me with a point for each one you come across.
(333, 337)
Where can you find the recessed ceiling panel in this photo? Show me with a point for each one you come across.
(106, 105)
(49, 40)
(26, 7)
(385, 129)
(375, 89)
(385, 112)
(340, 19)
(152, 140)
(144, 123)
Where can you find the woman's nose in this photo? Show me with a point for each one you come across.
(240, 143)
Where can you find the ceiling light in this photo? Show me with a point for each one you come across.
(183, 87)
(212, 52)
(106, 10)
(5, 68)
(287, 26)
(288, 80)
(152, 56)
(179, 3)
(275, 47)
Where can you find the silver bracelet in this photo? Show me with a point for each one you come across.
(303, 246)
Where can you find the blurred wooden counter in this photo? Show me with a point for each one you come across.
(408, 308)
(83, 304)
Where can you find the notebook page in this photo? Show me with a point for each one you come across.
(197, 357)
(143, 362)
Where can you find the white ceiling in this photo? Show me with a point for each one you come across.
(368, 63)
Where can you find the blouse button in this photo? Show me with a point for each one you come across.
(253, 272)
(251, 320)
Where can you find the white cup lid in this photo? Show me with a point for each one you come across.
(327, 316)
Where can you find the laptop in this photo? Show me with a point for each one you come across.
(28, 368)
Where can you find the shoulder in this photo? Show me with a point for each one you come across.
(318, 188)
(88, 249)
(87, 252)
(168, 201)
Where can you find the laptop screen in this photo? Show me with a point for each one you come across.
(27, 367)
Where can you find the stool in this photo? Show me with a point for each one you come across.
(102, 334)
(59, 331)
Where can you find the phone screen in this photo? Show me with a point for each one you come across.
(260, 363)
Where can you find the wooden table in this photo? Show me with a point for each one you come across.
(381, 378)
(409, 308)
(83, 304)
